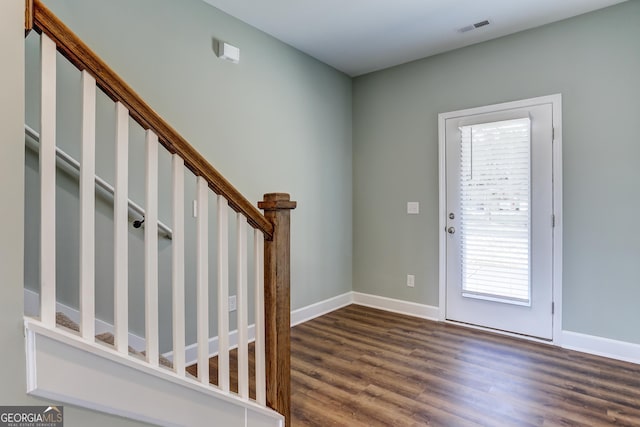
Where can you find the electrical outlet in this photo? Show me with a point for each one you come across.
(411, 280)
(232, 303)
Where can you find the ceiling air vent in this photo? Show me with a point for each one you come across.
(474, 26)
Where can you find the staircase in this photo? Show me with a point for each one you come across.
(107, 338)
(69, 361)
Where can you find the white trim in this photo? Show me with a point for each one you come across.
(606, 347)
(397, 306)
(298, 316)
(442, 218)
(557, 208)
(556, 101)
(30, 351)
(591, 344)
(54, 353)
(301, 315)
(191, 351)
(499, 332)
(32, 307)
(312, 311)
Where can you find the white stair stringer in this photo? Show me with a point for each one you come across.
(63, 367)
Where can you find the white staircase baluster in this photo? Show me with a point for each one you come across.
(88, 208)
(48, 183)
(258, 269)
(271, 235)
(151, 249)
(243, 306)
(177, 281)
(223, 293)
(202, 278)
(121, 231)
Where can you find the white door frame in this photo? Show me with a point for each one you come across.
(556, 101)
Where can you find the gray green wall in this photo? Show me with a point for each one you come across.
(279, 121)
(289, 118)
(594, 62)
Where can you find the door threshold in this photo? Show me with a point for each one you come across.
(501, 332)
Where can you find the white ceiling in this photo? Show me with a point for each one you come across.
(360, 36)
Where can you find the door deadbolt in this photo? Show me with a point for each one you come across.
(452, 216)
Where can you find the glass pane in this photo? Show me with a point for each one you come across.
(495, 194)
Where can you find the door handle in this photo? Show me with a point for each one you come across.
(451, 230)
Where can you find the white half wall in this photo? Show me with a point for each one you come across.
(62, 367)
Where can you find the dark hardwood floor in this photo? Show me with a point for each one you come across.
(363, 367)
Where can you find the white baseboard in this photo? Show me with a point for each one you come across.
(312, 311)
(32, 308)
(397, 306)
(298, 316)
(191, 351)
(620, 350)
(606, 347)
(301, 315)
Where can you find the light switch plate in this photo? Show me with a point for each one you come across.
(413, 208)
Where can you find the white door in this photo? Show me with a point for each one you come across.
(500, 218)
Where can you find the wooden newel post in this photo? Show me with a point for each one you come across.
(277, 309)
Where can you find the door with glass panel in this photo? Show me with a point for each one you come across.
(499, 219)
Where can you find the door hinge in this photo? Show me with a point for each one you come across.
(553, 220)
(553, 308)
(553, 134)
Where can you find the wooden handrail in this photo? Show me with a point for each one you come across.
(79, 54)
(28, 17)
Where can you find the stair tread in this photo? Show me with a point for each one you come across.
(106, 338)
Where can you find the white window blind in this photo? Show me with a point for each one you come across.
(495, 194)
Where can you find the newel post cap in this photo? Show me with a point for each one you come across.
(276, 202)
